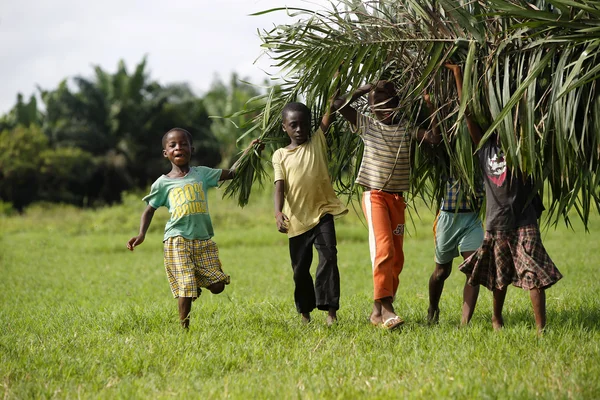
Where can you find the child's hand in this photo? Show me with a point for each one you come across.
(282, 222)
(258, 144)
(452, 67)
(135, 241)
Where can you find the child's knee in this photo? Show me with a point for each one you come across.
(217, 288)
(442, 271)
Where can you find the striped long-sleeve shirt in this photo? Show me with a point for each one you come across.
(386, 158)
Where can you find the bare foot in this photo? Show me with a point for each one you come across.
(305, 318)
(331, 317)
(497, 323)
(387, 309)
(375, 317)
(433, 316)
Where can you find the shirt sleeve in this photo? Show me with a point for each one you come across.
(320, 137)
(278, 171)
(362, 124)
(157, 196)
(210, 175)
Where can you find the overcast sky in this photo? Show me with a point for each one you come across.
(44, 41)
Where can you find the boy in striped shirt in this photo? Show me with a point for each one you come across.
(384, 175)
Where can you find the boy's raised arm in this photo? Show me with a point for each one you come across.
(329, 116)
(342, 104)
(144, 225)
(472, 126)
(433, 135)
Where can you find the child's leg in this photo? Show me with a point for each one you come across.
(301, 256)
(185, 306)
(470, 294)
(327, 277)
(538, 301)
(387, 309)
(216, 288)
(436, 286)
(499, 296)
(386, 264)
(375, 317)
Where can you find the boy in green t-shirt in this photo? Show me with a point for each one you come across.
(191, 258)
(305, 205)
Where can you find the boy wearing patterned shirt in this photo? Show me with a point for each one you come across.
(305, 205)
(384, 175)
(191, 258)
(457, 225)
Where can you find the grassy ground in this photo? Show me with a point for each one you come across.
(81, 317)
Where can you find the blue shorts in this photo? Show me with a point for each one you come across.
(453, 231)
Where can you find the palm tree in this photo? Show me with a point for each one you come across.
(120, 119)
(530, 72)
(222, 101)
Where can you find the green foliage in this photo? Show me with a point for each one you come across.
(101, 136)
(127, 114)
(101, 323)
(530, 76)
(25, 114)
(20, 151)
(64, 174)
(222, 101)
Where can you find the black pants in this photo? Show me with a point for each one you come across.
(325, 293)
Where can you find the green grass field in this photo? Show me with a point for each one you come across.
(82, 317)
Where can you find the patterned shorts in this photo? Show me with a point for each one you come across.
(192, 264)
(516, 256)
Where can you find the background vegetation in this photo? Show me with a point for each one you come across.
(94, 137)
(82, 317)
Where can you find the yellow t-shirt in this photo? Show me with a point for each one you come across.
(308, 191)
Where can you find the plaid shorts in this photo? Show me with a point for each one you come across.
(516, 256)
(191, 264)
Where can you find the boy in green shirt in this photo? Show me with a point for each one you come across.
(191, 258)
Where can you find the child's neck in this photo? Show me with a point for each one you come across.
(178, 172)
(294, 144)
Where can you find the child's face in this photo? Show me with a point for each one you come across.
(178, 148)
(297, 125)
(383, 104)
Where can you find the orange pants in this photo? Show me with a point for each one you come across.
(385, 218)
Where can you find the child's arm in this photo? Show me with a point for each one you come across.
(144, 225)
(342, 104)
(329, 116)
(280, 217)
(472, 126)
(433, 135)
(227, 174)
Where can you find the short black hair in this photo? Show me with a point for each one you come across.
(295, 106)
(188, 134)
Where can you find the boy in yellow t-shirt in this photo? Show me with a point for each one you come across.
(305, 204)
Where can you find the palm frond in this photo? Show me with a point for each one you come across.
(530, 71)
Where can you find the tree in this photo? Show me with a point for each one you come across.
(530, 72)
(222, 102)
(20, 150)
(120, 119)
(24, 114)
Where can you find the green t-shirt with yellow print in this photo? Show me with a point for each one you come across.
(187, 201)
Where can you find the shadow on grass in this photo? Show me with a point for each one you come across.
(579, 317)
